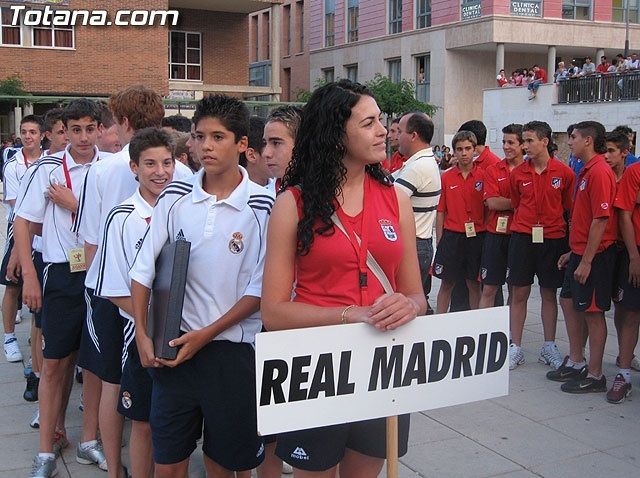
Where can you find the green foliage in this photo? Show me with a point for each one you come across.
(12, 85)
(397, 98)
(303, 95)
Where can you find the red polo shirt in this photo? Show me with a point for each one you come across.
(541, 199)
(594, 199)
(395, 162)
(486, 159)
(627, 195)
(496, 184)
(462, 199)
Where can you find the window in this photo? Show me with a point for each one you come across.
(260, 74)
(287, 29)
(351, 72)
(576, 9)
(329, 22)
(55, 37)
(395, 16)
(256, 39)
(10, 34)
(394, 66)
(185, 60)
(423, 13)
(328, 75)
(353, 7)
(619, 11)
(301, 25)
(423, 78)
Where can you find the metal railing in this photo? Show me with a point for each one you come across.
(600, 87)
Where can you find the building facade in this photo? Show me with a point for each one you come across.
(453, 49)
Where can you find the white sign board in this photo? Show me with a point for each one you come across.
(313, 377)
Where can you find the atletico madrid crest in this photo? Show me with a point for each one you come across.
(556, 183)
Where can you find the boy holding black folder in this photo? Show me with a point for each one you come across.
(153, 164)
(224, 217)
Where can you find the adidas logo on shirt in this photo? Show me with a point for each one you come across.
(180, 236)
(299, 454)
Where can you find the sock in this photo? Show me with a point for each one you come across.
(549, 343)
(47, 456)
(578, 365)
(9, 336)
(626, 373)
(37, 374)
(88, 444)
(590, 375)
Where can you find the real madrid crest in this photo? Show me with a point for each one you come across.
(126, 400)
(236, 246)
(388, 230)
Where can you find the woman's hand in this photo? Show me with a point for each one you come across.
(390, 311)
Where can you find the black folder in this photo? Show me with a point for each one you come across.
(167, 297)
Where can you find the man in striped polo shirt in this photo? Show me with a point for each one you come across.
(419, 177)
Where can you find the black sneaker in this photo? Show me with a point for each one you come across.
(565, 373)
(585, 385)
(31, 392)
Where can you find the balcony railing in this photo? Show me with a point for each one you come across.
(599, 88)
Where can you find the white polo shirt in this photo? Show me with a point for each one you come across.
(124, 232)
(419, 178)
(107, 185)
(57, 235)
(228, 243)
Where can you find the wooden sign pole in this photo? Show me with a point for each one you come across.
(392, 447)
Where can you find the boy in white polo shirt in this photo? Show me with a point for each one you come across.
(51, 199)
(224, 215)
(153, 163)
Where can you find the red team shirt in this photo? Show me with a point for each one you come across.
(395, 162)
(541, 199)
(462, 199)
(627, 195)
(496, 184)
(486, 159)
(594, 198)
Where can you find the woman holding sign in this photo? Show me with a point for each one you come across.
(338, 208)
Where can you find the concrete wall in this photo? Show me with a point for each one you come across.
(503, 106)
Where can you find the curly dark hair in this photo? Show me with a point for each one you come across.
(317, 166)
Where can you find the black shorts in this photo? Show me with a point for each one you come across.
(527, 260)
(216, 386)
(136, 383)
(102, 339)
(458, 256)
(8, 247)
(319, 449)
(38, 263)
(595, 294)
(495, 252)
(624, 294)
(63, 310)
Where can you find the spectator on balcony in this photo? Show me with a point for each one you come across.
(632, 63)
(574, 71)
(516, 78)
(561, 73)
(501, 79)
(589, 68)
(540, 77)
(603, 66)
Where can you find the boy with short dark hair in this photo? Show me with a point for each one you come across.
(212, 379)
(460, 224)
(152, 162)
(279, 136)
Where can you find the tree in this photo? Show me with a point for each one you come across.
(397, 98)
(12, 85)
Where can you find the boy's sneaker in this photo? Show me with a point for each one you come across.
(27, 369)
(620, 390)
(585, 385)
(92, 455)
(565, 373)
(635, 363)
(18, 318)
(31, 392)
(60, 442)
(550, 355)
(12, 350)
(35, 419)
(43, 467)
(516, 356)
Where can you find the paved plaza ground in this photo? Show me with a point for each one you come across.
(534, 431)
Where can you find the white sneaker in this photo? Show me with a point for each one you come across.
(18, 318)
(35, 419)
(550, 355)
(635, 364)
(12, 350)
(516, 357)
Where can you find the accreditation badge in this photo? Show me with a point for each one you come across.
(501, 224)
(470, 229)
(77, 262)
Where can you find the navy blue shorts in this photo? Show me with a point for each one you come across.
(458, 256)
(495, 252)
(63, 310)
(595, 294)
(319, 449)
(39, 265)
(136, 383)
(527, 260)
(624, 294)
(102, 339)
(217, 387)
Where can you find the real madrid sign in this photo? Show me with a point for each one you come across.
(531, 8)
